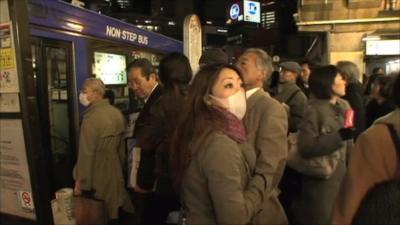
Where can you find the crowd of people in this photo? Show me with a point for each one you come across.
(234, 144)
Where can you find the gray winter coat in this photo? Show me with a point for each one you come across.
(319, 136)
(215, 186)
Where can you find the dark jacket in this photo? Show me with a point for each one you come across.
(354, 95)
(146, 176)
(156, 134)
(290, 94)
(304, 87)
(374, 110)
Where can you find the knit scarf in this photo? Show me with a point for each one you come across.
(229, 124)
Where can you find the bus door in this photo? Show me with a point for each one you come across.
(55, 83)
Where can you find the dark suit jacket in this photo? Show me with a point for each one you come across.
(156, 135)
(146, 177)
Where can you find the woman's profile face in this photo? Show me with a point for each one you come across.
(339, 86)
(227, 84)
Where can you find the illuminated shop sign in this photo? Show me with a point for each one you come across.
(383, 47)
(235, 11)
(252, 11)
(248, 11)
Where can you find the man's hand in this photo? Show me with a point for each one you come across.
(77, 189)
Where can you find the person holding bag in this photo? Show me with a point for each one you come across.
(322, 143)
(98, 172)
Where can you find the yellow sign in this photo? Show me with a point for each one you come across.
(7, 58)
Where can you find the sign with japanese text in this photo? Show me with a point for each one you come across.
(15, 194)
(8, 68)
(9, 102)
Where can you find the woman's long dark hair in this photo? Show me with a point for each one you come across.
(175, 72)
(194, 120)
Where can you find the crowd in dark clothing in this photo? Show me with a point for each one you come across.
(234, 144)
(367, 108)
(375, 109)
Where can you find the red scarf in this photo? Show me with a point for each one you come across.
(229, 124)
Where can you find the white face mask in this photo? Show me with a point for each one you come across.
(83, 99)
(235, 104)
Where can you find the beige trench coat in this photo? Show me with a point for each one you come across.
(101, 157)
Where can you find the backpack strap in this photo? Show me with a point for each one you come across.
(395, 138)
(396, 142)
(292, 96)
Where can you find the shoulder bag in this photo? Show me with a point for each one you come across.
(319, 167)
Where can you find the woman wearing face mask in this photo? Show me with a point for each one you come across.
(211, 161)
(99, 169)
(322, 133)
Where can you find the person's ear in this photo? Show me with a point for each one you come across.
(153, 77)
(263, 75)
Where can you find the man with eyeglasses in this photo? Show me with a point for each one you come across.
(142, 79)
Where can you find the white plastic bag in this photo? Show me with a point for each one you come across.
(134, 161)
(63, 207)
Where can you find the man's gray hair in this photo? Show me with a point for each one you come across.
(264, 61)
(96, 85)
(349, 70)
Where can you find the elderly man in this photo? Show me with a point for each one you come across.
(142, 80)
(98, 170)
(266, 122)
(294, 98)
(290, 94)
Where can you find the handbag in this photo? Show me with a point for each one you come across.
(89, 211)
(319, 167)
